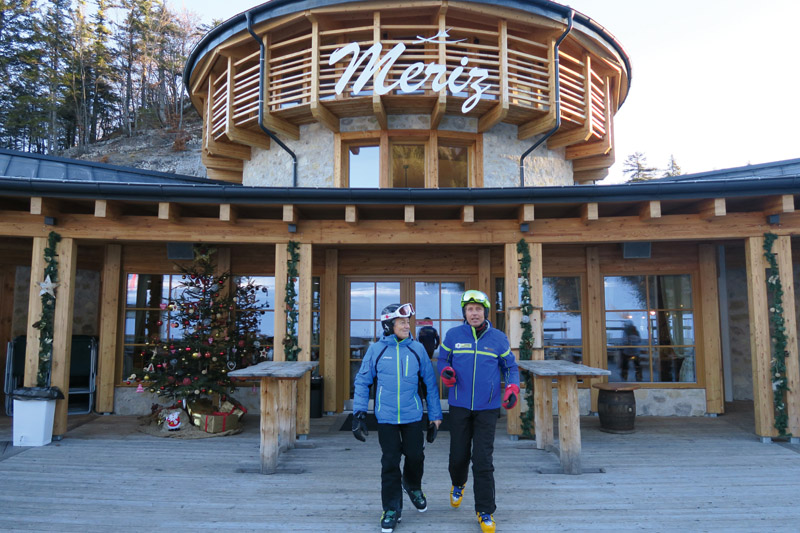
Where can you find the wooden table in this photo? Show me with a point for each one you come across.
(566, 375)
(278, 405)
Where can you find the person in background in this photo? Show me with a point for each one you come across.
(473, 359)
(429, 338)
(396, 364)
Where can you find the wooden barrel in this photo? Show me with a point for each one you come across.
(617, 410)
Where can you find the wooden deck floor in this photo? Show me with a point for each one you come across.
(673, 474)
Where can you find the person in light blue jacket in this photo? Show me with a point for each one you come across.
(397, 365)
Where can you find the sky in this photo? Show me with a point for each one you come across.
(715, 83)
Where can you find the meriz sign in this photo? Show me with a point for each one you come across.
(413, 77)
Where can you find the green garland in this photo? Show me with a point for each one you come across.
(526, 339)
(780, 382)
(290, 344)
(45, 323)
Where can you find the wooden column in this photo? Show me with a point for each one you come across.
(594, 344)
(513, 316)
(783, 249)
(330, 282)
(67, 251)
(34, 312)
(269, 425)
(569, 425)
(304, 337)
(760, 347)
(543, 411)
(6, 313)
(109, 320)
(485, 271)
(281, 256)
(287, 405)
(542, 388)
(709, 329)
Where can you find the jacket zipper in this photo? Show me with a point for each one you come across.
(474, 368)
(398, 381)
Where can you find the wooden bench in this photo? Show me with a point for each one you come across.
(278, 405)
(566, 375)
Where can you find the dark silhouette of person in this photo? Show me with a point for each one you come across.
(631, 352)
(429, 338)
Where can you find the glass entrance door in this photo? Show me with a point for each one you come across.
(436, 301)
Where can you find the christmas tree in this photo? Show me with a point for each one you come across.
(219, 330)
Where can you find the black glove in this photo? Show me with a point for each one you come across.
(360, 426)
(432, 431)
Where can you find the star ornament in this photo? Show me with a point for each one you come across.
(48, 287)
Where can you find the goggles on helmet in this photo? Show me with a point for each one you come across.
(404, 311)
(478, 297)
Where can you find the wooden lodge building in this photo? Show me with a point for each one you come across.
(408, 147)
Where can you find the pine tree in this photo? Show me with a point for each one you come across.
(672, 168)
(56, 27)
(104, 99)
(219, 333)
(637, 169)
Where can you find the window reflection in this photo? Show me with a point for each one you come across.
(364, 166)
(453, 166)
(408, 165)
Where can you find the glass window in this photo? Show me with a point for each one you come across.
(364, 166)
(650, 335)
(453, 166)
(562, 321)
(408, 165)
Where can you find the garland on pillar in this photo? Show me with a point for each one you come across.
(780, 383)
(290, 344)
(45, 323)
(526, 339)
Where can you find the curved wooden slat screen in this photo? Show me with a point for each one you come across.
(518, 89)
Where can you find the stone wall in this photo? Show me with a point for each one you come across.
(739, 332)
(314, 150)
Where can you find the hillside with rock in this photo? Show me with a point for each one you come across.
(163, 150)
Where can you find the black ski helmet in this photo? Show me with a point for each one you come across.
(392, 311)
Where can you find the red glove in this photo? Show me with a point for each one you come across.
(448, 376)
(510, 396)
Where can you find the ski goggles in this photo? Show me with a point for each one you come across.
(478, 297)
(404, 311)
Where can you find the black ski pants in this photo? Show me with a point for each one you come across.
(397, 440)
(472, 437)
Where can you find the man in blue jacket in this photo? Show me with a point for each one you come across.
(396, 364)
(473, 359)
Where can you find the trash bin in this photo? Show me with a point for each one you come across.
(316, 397)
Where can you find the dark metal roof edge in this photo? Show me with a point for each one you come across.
(277, 8)
(703, 176)
(236, 194)
(169, 176)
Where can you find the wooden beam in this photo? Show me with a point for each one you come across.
(351, 214)
(709, 330)
(569, 425)
(109, 319)
(589, 212)
(290, 214)
(34, 311)
(548, 121)
(107, 209)
(169, 211)
(440, 105)
(499, 112)
(467, 214)
(224, 175)
(67, 251)
(304, 320)
(321, 114)
(329, 331)
(593, 163)
(281, 269)
(239, 135)
(589, 175)
(485, 270)
(379, 111)
(776, 205)
(228, 213)
(760, 346)
(650, 210)
(595, 351)
(712, 208)
(526, 213)
(268, 452)
(783, 251)
(47, 207)
(512, 305)
(439, 109)
(409, 215)
(221, 163)
(325, 116)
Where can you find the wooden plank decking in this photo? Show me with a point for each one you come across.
(673, 474)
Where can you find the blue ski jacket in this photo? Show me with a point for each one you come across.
(480, 363)
(398, 366)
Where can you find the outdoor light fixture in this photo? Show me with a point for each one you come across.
(292, 228)
(49, 221)
(524, 227)
(773, 220)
